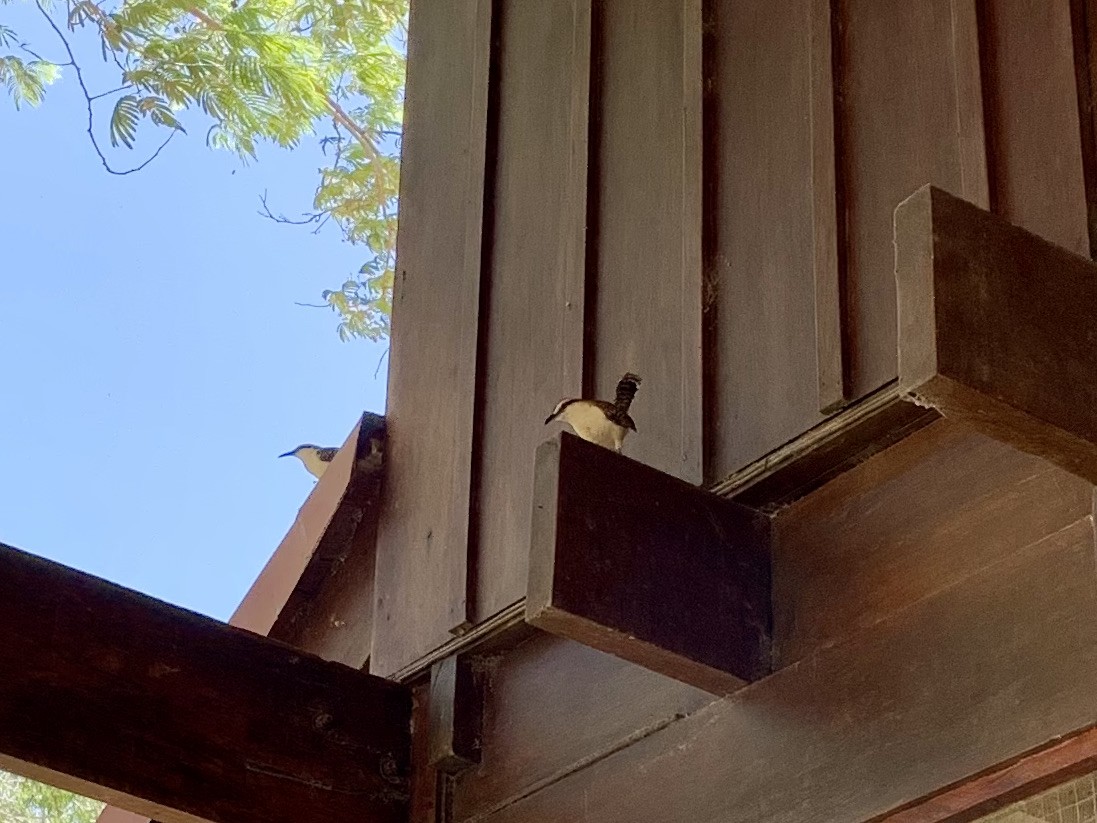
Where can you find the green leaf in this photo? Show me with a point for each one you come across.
(123, 122)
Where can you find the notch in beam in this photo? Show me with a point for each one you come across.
(644, 566)
(161, 711)
(998, 328)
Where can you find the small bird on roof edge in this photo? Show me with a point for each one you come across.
(600, 421)
(316, 459)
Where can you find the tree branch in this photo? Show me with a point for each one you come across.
(88, 99)
(336, 110)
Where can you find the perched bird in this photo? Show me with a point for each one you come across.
(316, 459)
(600, 421)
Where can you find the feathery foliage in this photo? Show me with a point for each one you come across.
(254, 71)
(25, 801)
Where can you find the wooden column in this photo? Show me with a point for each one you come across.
(161, 711)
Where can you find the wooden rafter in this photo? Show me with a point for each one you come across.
(156, 709)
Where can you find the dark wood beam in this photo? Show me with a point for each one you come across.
(642, 565)
(170, 714)
(455, 715)
(996, 329)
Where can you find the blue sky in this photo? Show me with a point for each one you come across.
(152, 361)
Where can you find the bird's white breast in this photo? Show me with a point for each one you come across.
(591, 424)
(315, 466)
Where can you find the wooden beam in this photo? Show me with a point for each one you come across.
(170, 714)
(1028, 775)
(316, 590)
(642, 565)
(996, 329)
(455, 715)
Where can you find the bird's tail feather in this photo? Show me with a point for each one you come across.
(626, 390)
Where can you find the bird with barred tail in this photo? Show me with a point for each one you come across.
(316, 459)
(601, 421)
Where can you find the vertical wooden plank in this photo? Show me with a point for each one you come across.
(1032, 116)
(776, 347)
(422, 550)
(968, 78)
(829, 366)
(646, 191)
(1084, 25)
(534, 325)
(907, 116)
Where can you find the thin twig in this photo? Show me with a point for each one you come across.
(126, 87)
(40, 58)
(88, 99)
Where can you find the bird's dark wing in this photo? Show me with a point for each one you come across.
(626, 390)
(327, 455)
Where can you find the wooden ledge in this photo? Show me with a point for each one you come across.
(121, 697)
(644, 566)
(997, 329)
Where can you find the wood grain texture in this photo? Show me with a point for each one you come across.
(316, 590)
(533, 350)
(1084, 29)
(639, 564)
(1030, 774)
(886, 535)
(1032, 120)
(423, 537)
(826, 263)
(1000, 664)
(835, 446)
(771, 229)
(997, 328)
(554, 705)
(167, 713)
(645, 297)
(455, 715)
(907, 115)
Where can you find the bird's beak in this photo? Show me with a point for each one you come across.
(287, 454)
(549, 419)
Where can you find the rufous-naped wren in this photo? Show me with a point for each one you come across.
(601, 421)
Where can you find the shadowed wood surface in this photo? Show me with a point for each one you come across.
(455, 705)
(1037, 179)
(1030, 774)
(645, 207)
(316, 591)
(553, 706)
(1084, 30)
(759, 291)
(533, 348)
(996, 328)
(990, 642)
(640, 564)
(423, 537)
(903, 122)
(869, 534)
(170, 714)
